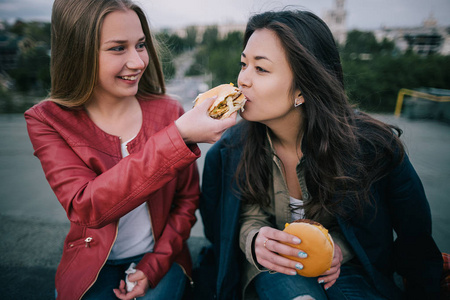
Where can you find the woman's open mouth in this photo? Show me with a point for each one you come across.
(129, 78)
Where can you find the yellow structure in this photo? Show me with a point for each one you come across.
(403, 92)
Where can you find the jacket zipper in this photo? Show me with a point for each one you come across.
(191, 282)
(89, 239)
(104, 262)
(151, 223)
(86, 242)
(109, 252)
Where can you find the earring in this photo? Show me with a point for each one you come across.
(297, 102)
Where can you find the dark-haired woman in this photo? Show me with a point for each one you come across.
(303, 152)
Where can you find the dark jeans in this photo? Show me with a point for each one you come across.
(171, 286)
(286, 287)
(351, 284)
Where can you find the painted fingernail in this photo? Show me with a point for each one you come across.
(296, 240)
(293, 273)
(321, 281)
(302, 254)
(299, 266)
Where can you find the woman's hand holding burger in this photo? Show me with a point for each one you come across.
(271, 242)
(304, 247)
(196, 126)
(330, 276)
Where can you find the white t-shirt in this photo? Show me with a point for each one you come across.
(135, 235)
(297, 212)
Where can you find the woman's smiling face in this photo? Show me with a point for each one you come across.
(266, 78)
(123, 55)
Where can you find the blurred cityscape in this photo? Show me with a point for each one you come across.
(377, 64)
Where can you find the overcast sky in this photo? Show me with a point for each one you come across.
(361, 14)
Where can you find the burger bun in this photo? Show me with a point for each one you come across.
(316, 242)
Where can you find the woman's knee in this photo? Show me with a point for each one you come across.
(280, 286)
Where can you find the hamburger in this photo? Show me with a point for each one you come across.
(229, 99)
(316, 242)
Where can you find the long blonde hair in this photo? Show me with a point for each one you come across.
(76, 26)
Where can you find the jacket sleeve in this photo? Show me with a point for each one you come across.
(218, 272)
(339, 239)
(417, 257)
(211, 193)
(216, 184)
(252, 218)
(177, 230)
(95, 200)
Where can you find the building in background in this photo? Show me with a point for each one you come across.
(430, 38)
(336, 19)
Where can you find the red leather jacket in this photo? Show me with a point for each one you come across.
(96, 187)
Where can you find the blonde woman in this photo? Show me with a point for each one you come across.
(119, 155)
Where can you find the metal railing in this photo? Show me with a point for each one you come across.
(403, 92)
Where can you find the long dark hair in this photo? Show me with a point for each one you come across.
(345, 151)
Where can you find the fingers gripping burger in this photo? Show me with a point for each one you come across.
(316, 242)
(229, 99)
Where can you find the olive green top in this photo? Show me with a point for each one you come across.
(253, 217)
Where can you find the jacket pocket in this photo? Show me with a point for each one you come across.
(70, 253)
(84, 242)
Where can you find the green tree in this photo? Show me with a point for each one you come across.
(210, 36)
(209, 44)
(168, 47)
(18, 28)
(373, 81)
(177, 44)
(374, 84)
(224, 59)
(38, 31)
(191, 37)
(33, 70)
(359, 42)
